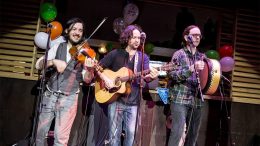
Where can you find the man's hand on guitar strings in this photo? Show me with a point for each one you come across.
(109, 83)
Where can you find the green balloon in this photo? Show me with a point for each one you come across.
(148, 48)
(48, 12)
(212, 54)
(109, 46)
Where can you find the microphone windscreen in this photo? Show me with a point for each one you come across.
(143, 35)
(190, 39)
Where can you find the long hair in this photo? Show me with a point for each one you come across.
(128, 33)
(69, 25)
(187, 32)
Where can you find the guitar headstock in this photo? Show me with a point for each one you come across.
(170, 66)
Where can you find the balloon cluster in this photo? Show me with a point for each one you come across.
(48, 13)
(225, 56)
(130, 14)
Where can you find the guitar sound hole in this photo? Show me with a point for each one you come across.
(117, 85)
(114, 89)
(117, 82)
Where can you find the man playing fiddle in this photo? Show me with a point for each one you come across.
(61, 96)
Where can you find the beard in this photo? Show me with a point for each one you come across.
(135, 46)
(75, 42)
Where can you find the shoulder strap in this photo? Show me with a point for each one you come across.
(136, 61)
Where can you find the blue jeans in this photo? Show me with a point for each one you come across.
(61, 107)
(182, 114)
(118, 114)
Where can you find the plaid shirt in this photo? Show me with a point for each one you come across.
(184, 84)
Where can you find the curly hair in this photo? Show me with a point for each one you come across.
(128, 33)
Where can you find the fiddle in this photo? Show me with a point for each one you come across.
(82, 51)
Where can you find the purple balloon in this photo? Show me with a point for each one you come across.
(227, 64)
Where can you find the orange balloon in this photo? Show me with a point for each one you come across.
(56, 29)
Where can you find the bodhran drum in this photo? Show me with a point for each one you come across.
(210, 76)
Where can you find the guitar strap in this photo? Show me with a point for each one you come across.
(136, 62)
(136, 65)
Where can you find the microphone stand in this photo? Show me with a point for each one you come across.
(228, 117)
(41, 89)
(141, 97)
(196, 71)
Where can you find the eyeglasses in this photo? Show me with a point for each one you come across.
(196, 35)
(135, 37)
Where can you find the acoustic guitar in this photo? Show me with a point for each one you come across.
(122, 82)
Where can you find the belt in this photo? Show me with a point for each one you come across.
(55, 93)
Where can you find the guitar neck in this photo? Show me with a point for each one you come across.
(139, 74)
(161, 68)
(147, 71)
(132, 76)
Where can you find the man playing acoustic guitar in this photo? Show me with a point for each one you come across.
(129, 60)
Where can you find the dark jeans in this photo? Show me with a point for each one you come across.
(182, 114)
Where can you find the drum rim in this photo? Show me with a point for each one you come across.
(214, 76)
(207, 86)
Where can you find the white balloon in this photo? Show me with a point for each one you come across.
(58, 40)
(130, 13)
(119, 25)
(41, 39)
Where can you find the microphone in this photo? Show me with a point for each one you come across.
(189, 38)
(49, 25)
(143, 36)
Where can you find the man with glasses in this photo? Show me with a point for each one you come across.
(186, 100)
